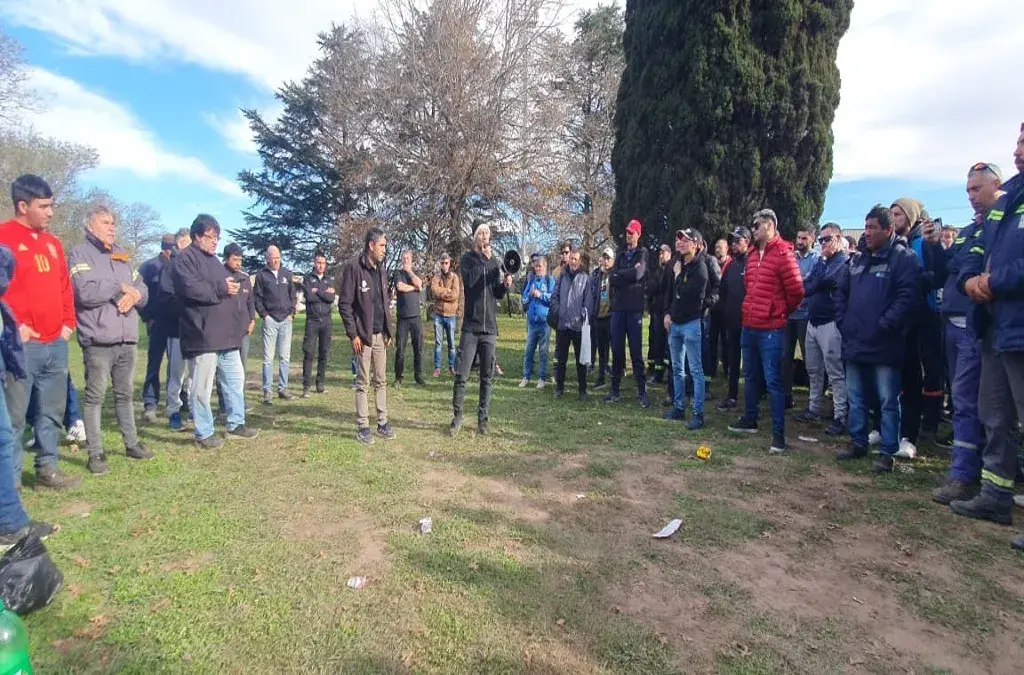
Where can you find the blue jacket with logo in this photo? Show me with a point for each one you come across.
(537, 308)
(1001, 253)
(954, 302)
(875, 303)
(821, 287)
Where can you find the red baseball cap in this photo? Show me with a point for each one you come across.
(634, 227)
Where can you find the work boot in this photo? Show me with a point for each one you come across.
(285, 395)
(453, 428)
(955, 491)
(211, 442)
(98, 464)
(986, 506)
(51, 477)
(852, 451)
(883, 464)
(837, 428)
(696, 423)
(139, 452)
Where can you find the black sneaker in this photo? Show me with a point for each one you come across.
(51, 477)
(242, 433)
(139, 452)
(41, 530)
(778, 445)
(481, 427)
(365, 436)
(644, 403)
(386, 432)
(98, 464)
(674, 414)
(726, 404)
(837, 428)
(211, 442)
(612, 398)
(453, 428)
(743, 426)
(852, 451)
(955, 491)
(985, 507)
(420, 381)
(807, 417)
(883, 464)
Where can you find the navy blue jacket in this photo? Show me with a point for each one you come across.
(953, 300)
(11, 349)
(876, 301)
(150, 273)
(1001, 252)
(821, 287)
(628, 280)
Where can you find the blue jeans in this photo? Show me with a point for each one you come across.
(866, 382)
(963, 353)
(71, 414)
(762, 353)
(46, 366)
(154, 360)
(277, 341)
(537, 335)
(12, 514)
(444, 327)
(226, 367)
(684, 341)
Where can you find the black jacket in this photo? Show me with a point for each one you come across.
(713, 289)
(165, 310)
(355, 298)
(685, 288)
(275, 296)
(733, 290)
(483, 288)
(655, 290)
(627, 278)
(150, 272)
(318, 299)
(209, 319)
(244, 304)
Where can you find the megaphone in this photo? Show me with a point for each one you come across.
(512, 262)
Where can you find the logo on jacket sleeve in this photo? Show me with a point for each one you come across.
(364, 287)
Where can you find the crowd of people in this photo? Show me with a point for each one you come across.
(913, 322)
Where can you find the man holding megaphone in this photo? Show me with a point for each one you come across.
(484, 286)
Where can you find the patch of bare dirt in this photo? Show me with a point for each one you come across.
(76, 510)
(189, 565)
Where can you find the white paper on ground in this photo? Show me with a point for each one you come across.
(668, 530)
(807, 439)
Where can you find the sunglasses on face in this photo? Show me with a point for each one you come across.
(754, 227)
(825, 239)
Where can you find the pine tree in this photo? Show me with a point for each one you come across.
(725, 108)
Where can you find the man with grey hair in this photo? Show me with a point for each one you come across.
(275, 295)
(108, 293)
(484, 286)
(408, 298)
(824, 344)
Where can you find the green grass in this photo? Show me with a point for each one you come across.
(540, 559)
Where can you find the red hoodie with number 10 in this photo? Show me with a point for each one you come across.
(40, 294)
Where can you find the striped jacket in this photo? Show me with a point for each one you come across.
(97, 274)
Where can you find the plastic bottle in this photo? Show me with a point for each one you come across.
(13, 644)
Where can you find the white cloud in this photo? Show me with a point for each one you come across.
(75, 114)
(928, 89)
(234, 129)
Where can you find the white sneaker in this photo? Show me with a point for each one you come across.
(907, 450)
(540, 384)
(76, 434)
(31, 443)
(874, 438)
(523, 383)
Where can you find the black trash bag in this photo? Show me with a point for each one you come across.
(29, 580)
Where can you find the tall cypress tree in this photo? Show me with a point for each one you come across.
(724, 108)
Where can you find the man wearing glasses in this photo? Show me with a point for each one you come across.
(627, 278)
(824, 353)
(963, 349)
(210, 338)
(774, 289)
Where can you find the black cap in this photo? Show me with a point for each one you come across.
(689, 233)
(232, 249)
(741, 232)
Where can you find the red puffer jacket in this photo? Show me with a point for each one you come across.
(774, 286)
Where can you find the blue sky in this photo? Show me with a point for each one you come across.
(155, 86)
